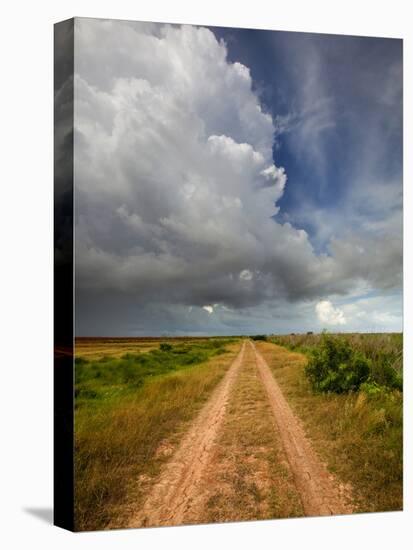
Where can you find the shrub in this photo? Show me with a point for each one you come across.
(261, 337)
(335, 367)
(165, 347)
(384, 351)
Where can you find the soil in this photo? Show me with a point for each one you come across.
(246, 456)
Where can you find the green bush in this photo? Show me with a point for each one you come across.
(335, 367)
(259, 337)
(165, 347)
(384, 351)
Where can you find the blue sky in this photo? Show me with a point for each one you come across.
(340, 93)
(236, 181)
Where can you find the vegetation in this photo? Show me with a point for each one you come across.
(335, 367)
(383, 353)
(108, 377)
(359, 434)
(259, 337)
(97, 347)
(164, 346)
(125, 407)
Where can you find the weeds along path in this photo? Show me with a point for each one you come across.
(319, 491)
(178, 484)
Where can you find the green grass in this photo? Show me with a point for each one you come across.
(102, 379)
(127, 407)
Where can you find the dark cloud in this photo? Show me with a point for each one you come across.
(63, 141)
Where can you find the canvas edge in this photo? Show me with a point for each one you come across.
(63, 382)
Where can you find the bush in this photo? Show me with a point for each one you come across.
(335, 367)
(165, 347)
(383, 351)
(261, 337)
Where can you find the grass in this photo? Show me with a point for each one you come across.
(96, 348)
(108, 377)
(360, 436)
(125, 409)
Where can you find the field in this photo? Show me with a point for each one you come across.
(198, 426)
(97, 348)
(127, 404)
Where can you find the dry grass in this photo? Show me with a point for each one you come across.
(360, 438)
(97, 351)
(98, 348)
(120, 440)
(249, 477)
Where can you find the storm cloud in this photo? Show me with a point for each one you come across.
(177, 189)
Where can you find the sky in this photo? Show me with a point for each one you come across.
(232, 181)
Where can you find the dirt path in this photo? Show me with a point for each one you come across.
(246, 456)
(320, 493)
(178, 484)
(248, 476)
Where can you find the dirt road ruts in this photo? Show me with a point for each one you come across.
(178, 483)
(320, 493)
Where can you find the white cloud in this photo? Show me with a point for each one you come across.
(328, 314)
(375, 313)
(246, 275)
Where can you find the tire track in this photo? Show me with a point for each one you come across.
(178, 484)
(319, 491)
(248, 476)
